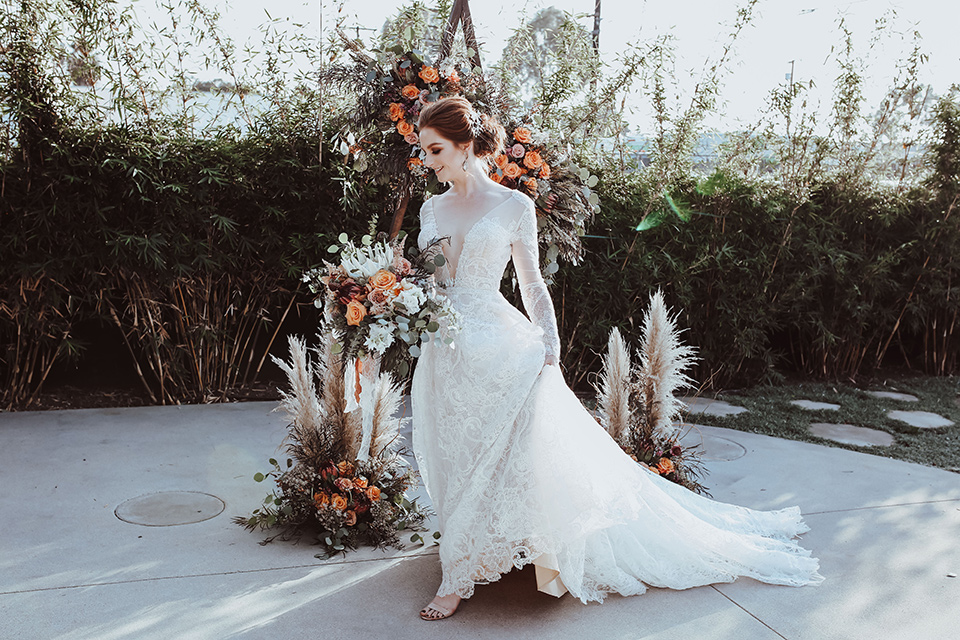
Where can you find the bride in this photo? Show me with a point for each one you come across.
(517, 470)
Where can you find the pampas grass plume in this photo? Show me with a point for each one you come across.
(663, 361)
(614, 388)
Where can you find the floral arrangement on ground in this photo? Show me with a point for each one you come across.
(637, 405)
(341, 487)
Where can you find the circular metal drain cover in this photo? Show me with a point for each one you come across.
(717, 448)
(170, 508)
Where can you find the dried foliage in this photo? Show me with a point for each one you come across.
(331, 489)
(637, 406)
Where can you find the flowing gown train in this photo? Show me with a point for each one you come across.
(519, 472)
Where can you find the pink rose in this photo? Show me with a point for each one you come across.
(412, 138)
(517, 150)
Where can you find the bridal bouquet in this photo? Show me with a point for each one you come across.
(378, 303)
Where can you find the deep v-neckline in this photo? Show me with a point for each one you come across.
(466, 236)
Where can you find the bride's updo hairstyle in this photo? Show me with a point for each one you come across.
(456, 120)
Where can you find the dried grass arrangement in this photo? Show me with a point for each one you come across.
(343, 487)
(637, 405)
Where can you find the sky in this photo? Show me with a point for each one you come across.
(782, 31)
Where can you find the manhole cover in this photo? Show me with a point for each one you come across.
(712, 448)
(170, 508)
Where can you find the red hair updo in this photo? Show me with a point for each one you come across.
(456, 120)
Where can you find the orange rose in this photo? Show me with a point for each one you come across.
(532, 185)
(355, 313)
(382, 279)
(654, 469)
(404, 128)
(373, 493)
(522, 134)
(410, 92)
(360, 483)
(321, 499)
(351, 518)
(665, 466)
(338, 502)
(532, 159)
(501, 160)
(496, 177)
(512, 170)
(545, 171)
(429, 74)
(345, 468)
(414, 162)
(396, 111)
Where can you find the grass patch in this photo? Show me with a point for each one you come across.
(770, 413)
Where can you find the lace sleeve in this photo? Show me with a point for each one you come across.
(428, 226)
(533, 290)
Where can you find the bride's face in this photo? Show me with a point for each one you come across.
(444, 156)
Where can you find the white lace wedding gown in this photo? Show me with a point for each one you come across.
(519, 472)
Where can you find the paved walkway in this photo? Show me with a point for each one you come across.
(885, 531)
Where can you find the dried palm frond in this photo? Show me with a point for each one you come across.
(309, 438)
(388, 395)
(614, 389)
(663, 360)
(344, 426)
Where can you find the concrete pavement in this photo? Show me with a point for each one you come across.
(885, 532)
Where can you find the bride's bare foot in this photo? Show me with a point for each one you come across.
(441, 607)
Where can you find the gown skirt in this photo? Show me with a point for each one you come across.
(520, 472)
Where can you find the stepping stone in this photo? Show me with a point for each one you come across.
(815, 406)
(170, 508)
(710, 406)
(920, 419)
(850, 434)
(893, 395)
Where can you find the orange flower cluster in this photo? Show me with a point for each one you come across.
(342, 491)
(521, 166)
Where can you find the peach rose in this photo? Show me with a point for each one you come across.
(545, 171)
(338, 502)
(344, 484)
(531, 185)
(351, 518)
(522, 134)
(360, 483)
(411, 138)
(512, 170)
(429, 74)
(414, 162)
(356, 312)
(410, 92)
(383, 279)
(373, 493)
(321, 499)
(404, 128)
(501, 160)
(496, 177)
(396, 111)
(454, 77)
(532, 159)
(345, 468)
(665, 466)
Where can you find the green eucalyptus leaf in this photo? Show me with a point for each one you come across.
(439, 260)
(433, 327)
(333, 248)
(258, 477)
(343, 238)
(414, 351)
(592, 181)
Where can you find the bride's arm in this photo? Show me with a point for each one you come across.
(533, 290)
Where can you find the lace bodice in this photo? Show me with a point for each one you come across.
(508, 230)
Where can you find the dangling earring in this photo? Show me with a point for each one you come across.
(466, 156)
